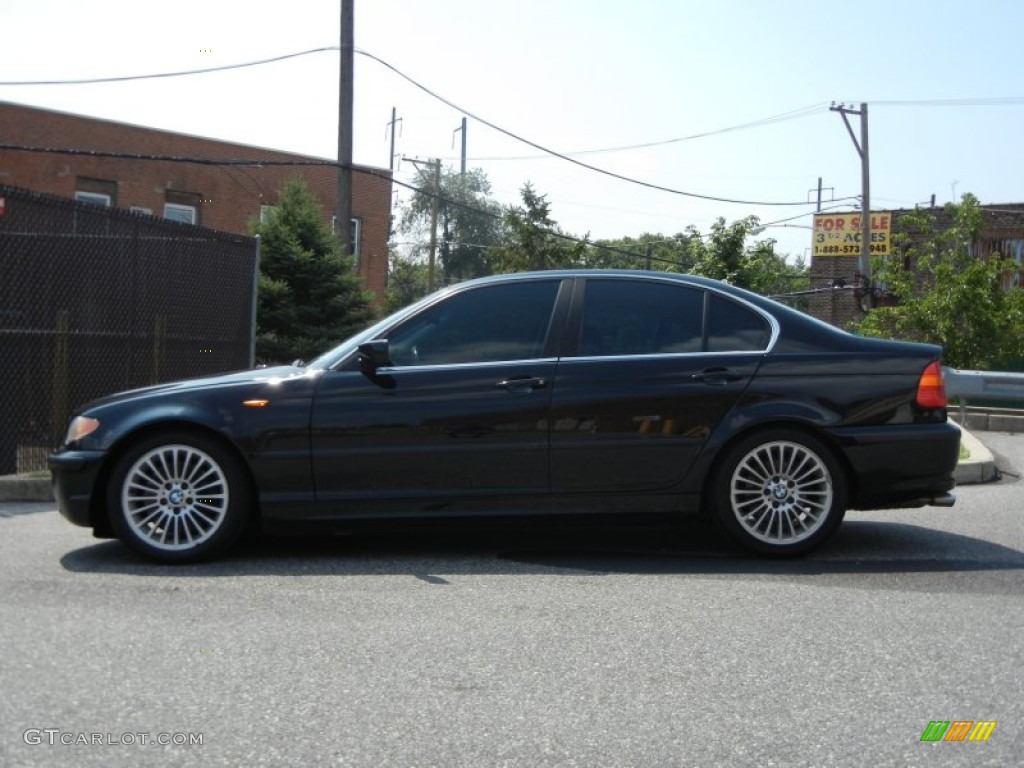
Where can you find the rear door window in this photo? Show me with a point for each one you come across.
(633, 317)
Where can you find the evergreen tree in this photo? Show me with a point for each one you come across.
(533, 240)
(309, 295)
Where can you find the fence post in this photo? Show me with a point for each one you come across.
(159, 337)
(59, 397)
(255, 298)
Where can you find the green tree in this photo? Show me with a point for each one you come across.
(309, 295)
(947, 296)
(655, 251)
(532, 240)
(407, 282)
(764, 271)
(469, 221)
(723, 254)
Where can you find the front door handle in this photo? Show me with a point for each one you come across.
(528, 383)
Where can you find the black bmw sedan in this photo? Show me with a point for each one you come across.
(549, 393)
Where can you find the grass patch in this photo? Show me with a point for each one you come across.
(964, 453)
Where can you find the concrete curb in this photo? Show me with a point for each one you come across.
(25, 488)
(983, 419)
(980, 467)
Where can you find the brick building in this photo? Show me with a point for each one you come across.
(223, 197)
(1002, 231)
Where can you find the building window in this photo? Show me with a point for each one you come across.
(96, 191)
(357, 231)
(93, 198)
(182, 206)
(187, 214)
(140, 209)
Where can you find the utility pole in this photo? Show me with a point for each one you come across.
(391, 126)
(436, 199)
(820, 190)
(391, 164)
(463, 129)
(865, 182)
(343, 212)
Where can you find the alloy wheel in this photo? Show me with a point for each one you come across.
(781, 492)
(175, 497)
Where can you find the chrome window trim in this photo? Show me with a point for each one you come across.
(659, 356)
(463, 366)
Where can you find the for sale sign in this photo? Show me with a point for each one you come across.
(839, 234)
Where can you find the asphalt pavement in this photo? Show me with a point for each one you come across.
(533, 647)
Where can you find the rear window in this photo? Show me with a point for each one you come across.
(733, 327)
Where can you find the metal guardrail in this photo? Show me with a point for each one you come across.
(997, 385)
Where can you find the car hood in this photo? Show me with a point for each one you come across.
(255, 375)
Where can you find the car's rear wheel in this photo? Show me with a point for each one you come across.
(178, 497)
(779, 492)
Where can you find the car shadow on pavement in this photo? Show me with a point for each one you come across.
(860, 547)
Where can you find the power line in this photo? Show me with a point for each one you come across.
(565, 157)
(181, 73)
(256, 163)
(791, 115)
(242, 163)
(802, 215)
(433, 94)
(993, 101)
(802, 112)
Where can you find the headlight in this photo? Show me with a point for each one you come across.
(80, 427)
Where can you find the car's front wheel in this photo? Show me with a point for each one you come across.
(178, 497)
(779, 492)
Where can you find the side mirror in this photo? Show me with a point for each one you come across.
(373, 354)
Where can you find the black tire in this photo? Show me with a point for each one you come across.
(178, 497)
(779, 492)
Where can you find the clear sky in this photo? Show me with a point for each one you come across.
(576, 75)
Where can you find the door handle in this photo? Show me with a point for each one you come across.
(716, 375)
(525, 382)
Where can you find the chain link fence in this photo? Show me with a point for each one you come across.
(95, 300)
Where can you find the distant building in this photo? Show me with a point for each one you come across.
(1002, 231)
(224, 197)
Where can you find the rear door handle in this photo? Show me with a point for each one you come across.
(522, 383)
(716, 375)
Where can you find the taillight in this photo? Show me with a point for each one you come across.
(931, 392)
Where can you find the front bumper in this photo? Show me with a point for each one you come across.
(74, 483)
